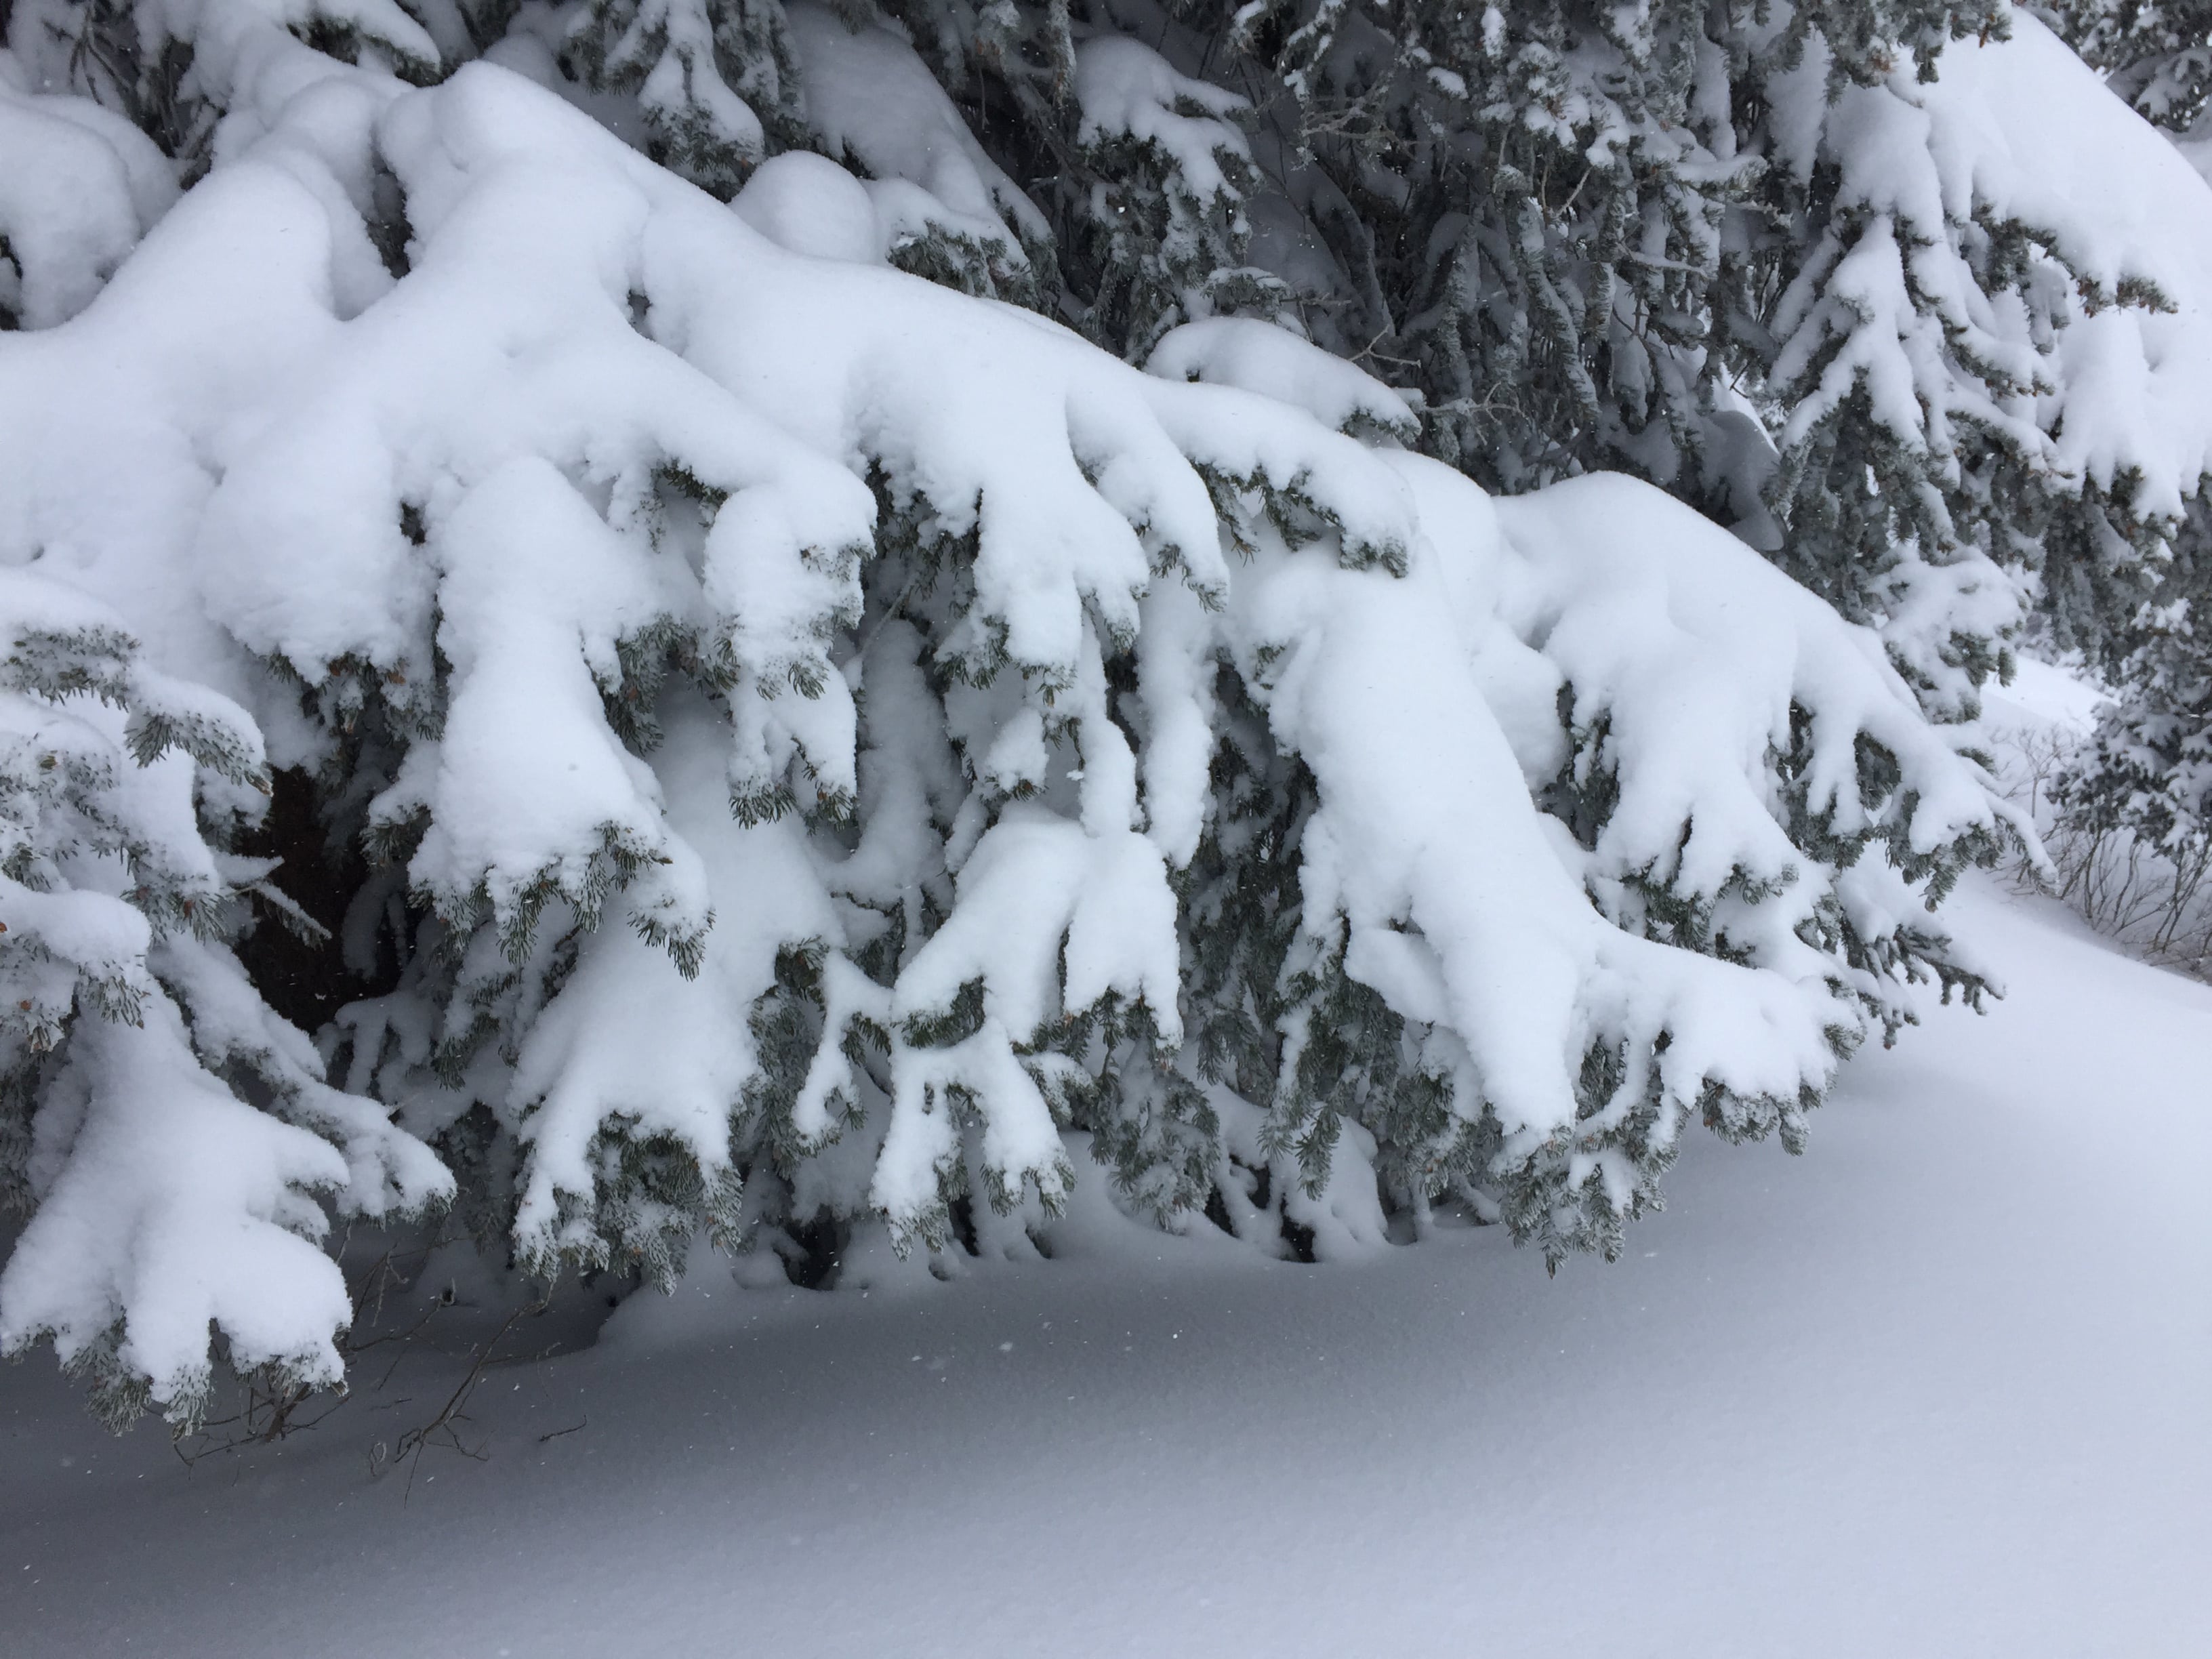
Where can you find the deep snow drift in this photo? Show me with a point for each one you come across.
(1939, 1387)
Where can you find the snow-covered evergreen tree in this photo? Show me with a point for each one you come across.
(2145, 780)
(830, 747)
(2156, 54)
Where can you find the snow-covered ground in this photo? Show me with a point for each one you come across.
(1941, 1387)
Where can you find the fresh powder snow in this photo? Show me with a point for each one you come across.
(1937, 1389)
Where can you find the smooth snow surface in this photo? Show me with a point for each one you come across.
(1938, 1388)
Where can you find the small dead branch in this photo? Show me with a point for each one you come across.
(444, 1430)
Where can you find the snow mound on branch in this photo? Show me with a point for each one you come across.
(2123, 401)
(667, 1053)
(1454, 901)
(175, 1205)
(702, 84)
(1688, 668)
(2130, 217)
(812, 206)
(1126, 90)
(79, 186)
(1262, 357)
(874, 103)
(164, 1204)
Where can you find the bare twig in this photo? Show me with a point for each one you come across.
(444, 1428)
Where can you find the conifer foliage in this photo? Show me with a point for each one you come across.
(2137, 800)
(160, 1200)
(1812, 269)
(2157, 54)
(824, 751)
